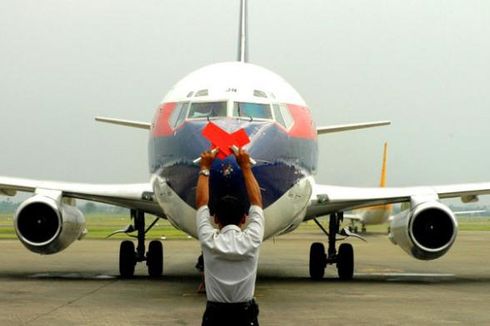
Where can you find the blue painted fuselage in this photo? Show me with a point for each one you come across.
(282, 160)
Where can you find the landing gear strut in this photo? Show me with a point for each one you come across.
(128, 256)
(343, 258)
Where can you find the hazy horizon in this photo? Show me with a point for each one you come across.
(421, 64)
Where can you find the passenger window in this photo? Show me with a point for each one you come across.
(252, 110)
(278, 115)
(207, 110)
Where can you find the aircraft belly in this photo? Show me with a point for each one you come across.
(281, 217)
(288, 212)
(181, 215)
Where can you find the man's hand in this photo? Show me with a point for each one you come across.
(242, 158)
(207, 158)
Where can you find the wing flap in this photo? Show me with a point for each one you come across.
(464, 190)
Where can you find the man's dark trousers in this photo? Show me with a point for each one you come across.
(239, 314)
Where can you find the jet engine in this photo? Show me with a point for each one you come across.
(47, 226)
(426, 231)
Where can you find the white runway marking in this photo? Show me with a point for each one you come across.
(400, 274)
(72, 276)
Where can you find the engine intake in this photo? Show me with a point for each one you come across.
(45, 226)
(38, 223)
(425, 232)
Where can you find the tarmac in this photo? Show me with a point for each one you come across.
(80, 286)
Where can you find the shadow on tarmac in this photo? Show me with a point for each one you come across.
(361, 278)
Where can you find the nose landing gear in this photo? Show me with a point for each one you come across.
(343, 258)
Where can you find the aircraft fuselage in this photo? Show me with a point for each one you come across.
(234, 96)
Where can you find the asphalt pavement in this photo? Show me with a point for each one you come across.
(80, 286)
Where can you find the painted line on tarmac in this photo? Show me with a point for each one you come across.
(406, 274)
(73, 276)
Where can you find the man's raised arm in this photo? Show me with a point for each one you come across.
(253, 190)
(202, 191)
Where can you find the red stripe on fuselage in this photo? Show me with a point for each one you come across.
(161, 125)
(303, 126)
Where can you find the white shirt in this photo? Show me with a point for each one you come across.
(230, 256)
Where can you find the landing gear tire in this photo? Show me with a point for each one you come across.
(345, 262)
(317, 261)
(154, 259)
(127, 259)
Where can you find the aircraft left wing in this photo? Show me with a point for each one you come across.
(126, 123)
(329, 199)
(134, 196)
(351, 126)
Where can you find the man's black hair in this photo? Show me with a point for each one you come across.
(229, 210)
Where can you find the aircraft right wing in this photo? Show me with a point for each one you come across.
(133, 196)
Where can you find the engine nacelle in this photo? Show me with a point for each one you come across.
(426, 231)
(46, 226)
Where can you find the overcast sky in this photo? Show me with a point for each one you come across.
(424, 65)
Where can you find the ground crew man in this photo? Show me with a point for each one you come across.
(230, 253)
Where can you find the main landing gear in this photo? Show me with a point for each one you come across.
(343, 258)
(129, 255)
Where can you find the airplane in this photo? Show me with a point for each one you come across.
(283, 141)
(373, 215)
(382, 214)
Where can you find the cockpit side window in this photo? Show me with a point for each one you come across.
(252, 110)
(207, 110)
(183, 114)
(178, 115)
(278, 115)
(286, 115)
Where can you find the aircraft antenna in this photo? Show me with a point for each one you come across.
(242, 33)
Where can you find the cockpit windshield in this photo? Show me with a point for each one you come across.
(207, 110)
(252, 110)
